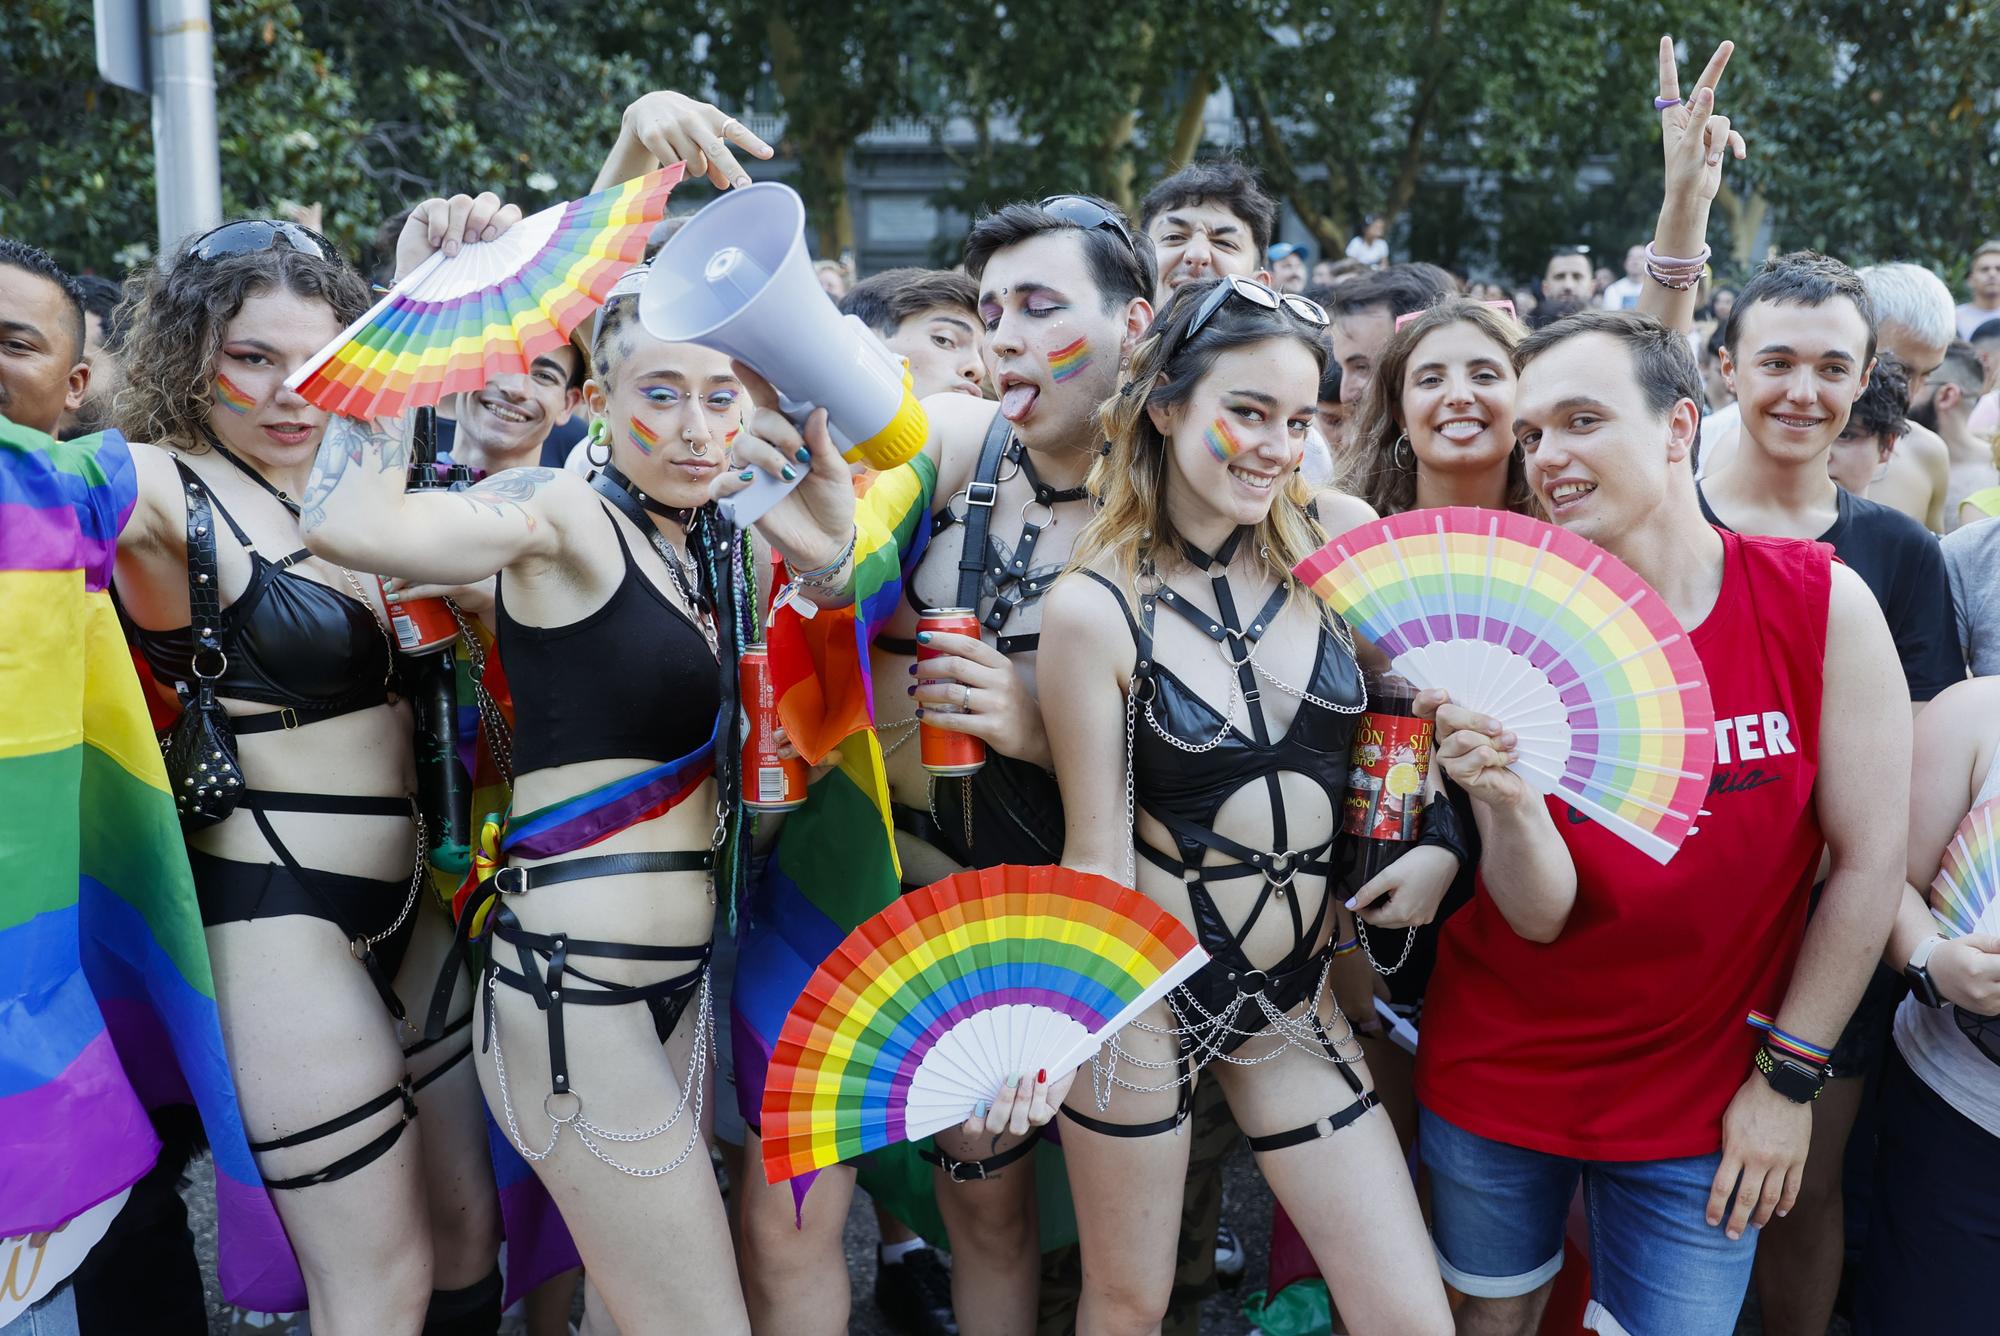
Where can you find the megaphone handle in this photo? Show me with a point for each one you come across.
(746, 507)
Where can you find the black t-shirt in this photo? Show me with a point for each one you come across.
(1900, 562)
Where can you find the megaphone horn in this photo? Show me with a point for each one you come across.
(737, 279)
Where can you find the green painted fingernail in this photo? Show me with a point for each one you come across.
(804, 456)
(747, 475)
(787, 473)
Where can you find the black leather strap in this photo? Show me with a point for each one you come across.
(329, 804)
(293, 716)
(549, 986)
(350, 1163)
(204, 586)
(541, 875)
(1183, 1106)
(357, 942)
(980, 495)
(978, 1171)
(1316, 1131)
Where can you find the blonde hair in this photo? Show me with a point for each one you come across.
(1372, 471)
(1132, 523)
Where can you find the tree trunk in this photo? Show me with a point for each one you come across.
(821, 143)
(1404, 187)
(1188, 126)
(1283, 172)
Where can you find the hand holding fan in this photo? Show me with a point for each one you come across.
(1965, 898)
(456, 322)
(931, 1005)
(1551, 635)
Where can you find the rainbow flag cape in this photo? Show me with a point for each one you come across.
(835, 861)
(107, 1003)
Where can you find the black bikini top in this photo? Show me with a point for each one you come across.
(1187, 789)
(287, 640)
(636, 678)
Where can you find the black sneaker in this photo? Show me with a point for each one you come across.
(1228, 1257)
(914, 1293)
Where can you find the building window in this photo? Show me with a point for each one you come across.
(901, 220)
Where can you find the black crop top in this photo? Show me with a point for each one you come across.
(289, 640)
(633, 679)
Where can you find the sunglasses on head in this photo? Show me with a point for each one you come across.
(1089, 215)
(251, 236)
(1257, 294)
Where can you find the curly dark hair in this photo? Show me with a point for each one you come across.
(176, 312)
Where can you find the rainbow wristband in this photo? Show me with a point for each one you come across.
(1348, 947)
(1789, 1044)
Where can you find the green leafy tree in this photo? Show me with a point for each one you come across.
(76, 159)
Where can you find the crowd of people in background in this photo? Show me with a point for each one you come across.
(1581, 1009)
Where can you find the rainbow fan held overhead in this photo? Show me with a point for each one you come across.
(929, 1006)
(1549, 634)
(1965, 898)
(496, 306)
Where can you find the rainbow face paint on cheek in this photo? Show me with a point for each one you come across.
(644, 437)
(1070, 361)
(231, 396)
(1221, 442)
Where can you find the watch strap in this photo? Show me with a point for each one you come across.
(1794, 1080)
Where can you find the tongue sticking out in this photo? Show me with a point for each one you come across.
(1017, 401)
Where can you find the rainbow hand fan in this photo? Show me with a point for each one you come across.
(1549, 634)
(496, 306)
(931, 1005)
(1965, 898)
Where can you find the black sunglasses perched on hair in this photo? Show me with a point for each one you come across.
(1301, 308)
(1089, 215)
(249, 236)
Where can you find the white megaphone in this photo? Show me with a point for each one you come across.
(736, 279)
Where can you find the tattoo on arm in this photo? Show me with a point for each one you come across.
(347, 442)
(508, 491)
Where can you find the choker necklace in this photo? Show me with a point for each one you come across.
(681, 515)
(284, 498)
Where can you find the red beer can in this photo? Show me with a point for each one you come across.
(945, 752)
(422, 625)
(770, 783)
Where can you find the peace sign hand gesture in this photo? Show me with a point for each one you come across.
(1693, 137)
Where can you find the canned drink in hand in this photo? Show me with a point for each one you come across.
(771, 783)
(946, 752)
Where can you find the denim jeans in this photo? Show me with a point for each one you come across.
(53, 1316)
(1657, 1267)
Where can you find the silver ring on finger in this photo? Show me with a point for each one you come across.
(726, 124)
(964, 698)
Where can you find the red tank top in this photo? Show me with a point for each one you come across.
(1624, 1039)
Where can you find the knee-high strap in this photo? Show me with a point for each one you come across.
(978, 1171)
(356, 1160)
(514, 880)
(1319, 1130)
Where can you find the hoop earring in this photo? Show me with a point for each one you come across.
(1401, 448)
(596, 435)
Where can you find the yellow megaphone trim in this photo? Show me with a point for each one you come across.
(900, 441)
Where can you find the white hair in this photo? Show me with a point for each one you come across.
(1913, 297)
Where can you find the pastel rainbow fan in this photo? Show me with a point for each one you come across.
(456, 322)
(931, 1005)
(1965, 898)
(1554, 637)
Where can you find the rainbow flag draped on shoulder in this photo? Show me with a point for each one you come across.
(107, 1003)
(835, 861)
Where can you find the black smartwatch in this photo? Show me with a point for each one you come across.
(1922, 986)
(1793, 1079)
